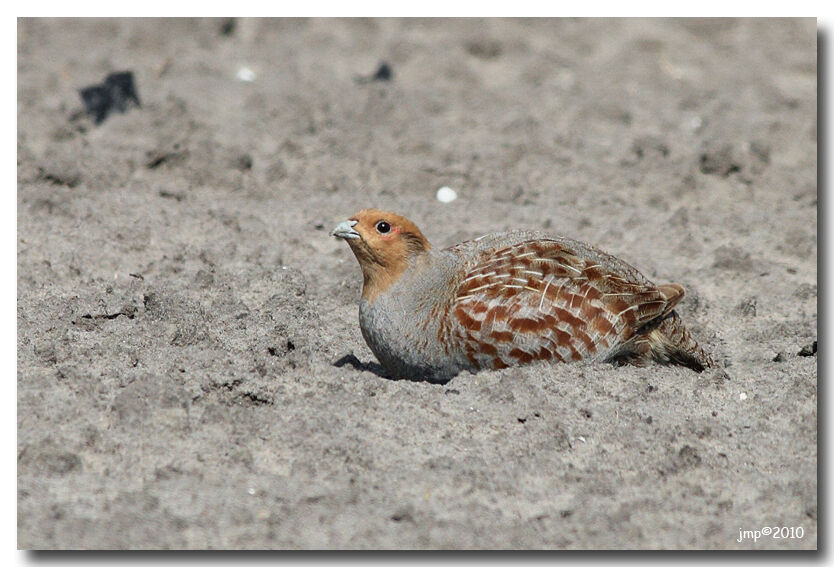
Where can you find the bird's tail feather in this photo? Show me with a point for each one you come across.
(671, 343)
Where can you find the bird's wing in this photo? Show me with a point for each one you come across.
(539, 299)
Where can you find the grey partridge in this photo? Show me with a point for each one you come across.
(506, 299)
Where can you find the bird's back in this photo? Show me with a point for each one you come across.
(526, 296)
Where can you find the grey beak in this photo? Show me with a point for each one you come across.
(345, 230)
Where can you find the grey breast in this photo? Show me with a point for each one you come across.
(401, 325)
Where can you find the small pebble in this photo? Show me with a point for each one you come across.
(695, 123)
(251, 490)
(742, 396)
(246, 74)
(446, 195)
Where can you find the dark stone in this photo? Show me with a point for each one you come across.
(122, 90)
(808, 350)
(117, 93)
(97, 102)
(383, 72)
(228, 26)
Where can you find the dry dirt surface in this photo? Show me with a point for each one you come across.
(190, 368)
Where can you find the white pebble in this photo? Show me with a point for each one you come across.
(246, 74)
(251, 490)
(446, 195)
(742, 396)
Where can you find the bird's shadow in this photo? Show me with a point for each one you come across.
(376, 368)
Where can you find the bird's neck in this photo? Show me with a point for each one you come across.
(379, 278)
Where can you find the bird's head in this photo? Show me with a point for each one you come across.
(385, 244)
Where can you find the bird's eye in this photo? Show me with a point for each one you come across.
(383, 227)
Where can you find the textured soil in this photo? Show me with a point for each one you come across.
(190, 368)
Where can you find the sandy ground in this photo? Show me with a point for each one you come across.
(190, 368)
